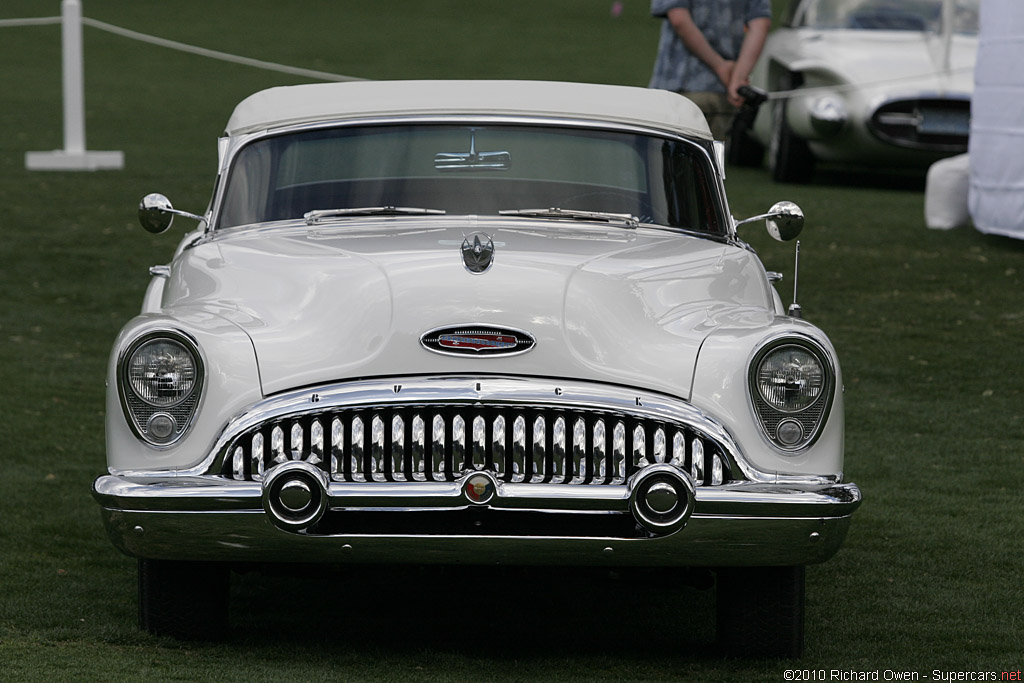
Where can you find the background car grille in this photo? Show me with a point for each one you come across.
(931, 124)
(440, 442)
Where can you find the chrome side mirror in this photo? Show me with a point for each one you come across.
(156, 213)
(785, 220)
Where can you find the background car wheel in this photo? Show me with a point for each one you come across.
(761, 611)
(186, 600)
(743, 151)
(789, 157)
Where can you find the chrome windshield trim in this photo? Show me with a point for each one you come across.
(235, 144)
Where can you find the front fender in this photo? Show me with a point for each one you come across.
(721, 388)
(231, 382)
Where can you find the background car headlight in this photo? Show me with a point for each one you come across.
(828, 115)
(791, 386)
(160, 377)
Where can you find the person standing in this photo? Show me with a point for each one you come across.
(707, 50)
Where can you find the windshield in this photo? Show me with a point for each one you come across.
(472, 170)
(889, 15)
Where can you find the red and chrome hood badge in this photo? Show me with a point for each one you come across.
(477, 340)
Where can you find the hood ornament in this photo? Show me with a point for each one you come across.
(478, 252)
(472, 339)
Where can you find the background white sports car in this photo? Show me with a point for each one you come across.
(884, 84)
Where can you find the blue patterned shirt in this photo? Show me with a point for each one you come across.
(722, 23)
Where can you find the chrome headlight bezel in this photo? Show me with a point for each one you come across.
(160, 424)
(795, 429)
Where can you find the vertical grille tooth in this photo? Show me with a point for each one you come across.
(659, 445)
(697, 467)
(640, 447)
(296, 441)
(479, 458)
(580, 470)
(377, 448)
(397, 461)
(459, 461)
(499, 449)
(558, 464)
(679, 450)
(538, 469)
(357, 449)
(257, 456)
(600, 453)
(238, 463)
(716, 471)
(619, 453)
(277, 445)
(437, 443)
(337, 449)
(519, 449)
(316, 443)
(419, 449)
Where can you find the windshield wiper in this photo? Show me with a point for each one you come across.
(317, 216)
(625, 219)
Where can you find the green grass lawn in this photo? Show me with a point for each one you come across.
(928, 324)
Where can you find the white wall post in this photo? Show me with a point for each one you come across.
(74, 156)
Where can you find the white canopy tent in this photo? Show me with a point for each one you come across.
(996, 148)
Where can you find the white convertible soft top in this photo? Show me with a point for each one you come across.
(289, 105)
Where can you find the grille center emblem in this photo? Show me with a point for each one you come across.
(478, 252)
(477, 340)
(479, 488)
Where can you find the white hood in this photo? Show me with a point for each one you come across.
(604, 303)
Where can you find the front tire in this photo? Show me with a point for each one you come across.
(184, 600)
(761, 611)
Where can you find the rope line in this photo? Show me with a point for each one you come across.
(183, 47)
(39, 21)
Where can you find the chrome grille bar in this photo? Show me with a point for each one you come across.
(530, 444)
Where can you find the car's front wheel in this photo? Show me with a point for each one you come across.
(185, 600)
(761, 611)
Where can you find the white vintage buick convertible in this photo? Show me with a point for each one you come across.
(485, 323)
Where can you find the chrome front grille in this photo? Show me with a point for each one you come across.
(936, 124)
(441, 441)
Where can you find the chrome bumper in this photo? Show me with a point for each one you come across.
(216, 519)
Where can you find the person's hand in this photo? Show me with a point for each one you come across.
(733, 86)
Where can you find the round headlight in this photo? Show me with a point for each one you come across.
(790, 378)
(162, 372)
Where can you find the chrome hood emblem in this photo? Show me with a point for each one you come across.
(478, 252)
(477, 340)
